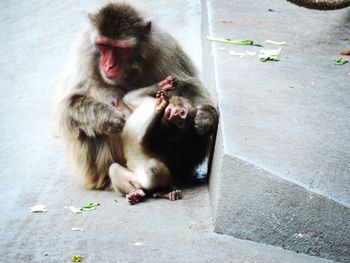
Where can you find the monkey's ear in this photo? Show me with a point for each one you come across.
(92, 18)
(147, 26)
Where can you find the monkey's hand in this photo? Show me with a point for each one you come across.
(206, 120)
(162, 100)
(112, 122)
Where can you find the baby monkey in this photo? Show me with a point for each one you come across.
(153, 142)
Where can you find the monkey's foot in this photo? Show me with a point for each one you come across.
(136, 196)
(172, 196)
(162, 100)
(168, 84)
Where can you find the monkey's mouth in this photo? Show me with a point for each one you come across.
(112, 72)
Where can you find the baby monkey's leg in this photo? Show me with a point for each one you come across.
(125, 182)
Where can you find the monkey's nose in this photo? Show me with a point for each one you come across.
(109, 66)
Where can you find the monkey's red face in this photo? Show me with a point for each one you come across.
(179, 113)
(114, 54)
(175, 114)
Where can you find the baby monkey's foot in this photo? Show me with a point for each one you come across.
(172, 196)
(168, 84)
(136, 196)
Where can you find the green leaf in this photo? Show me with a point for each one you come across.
(76, 258)
(269, 58)
(89, 206)
(340, 61)
(245, 42)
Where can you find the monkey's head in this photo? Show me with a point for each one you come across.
(119, 30)
(179, 114)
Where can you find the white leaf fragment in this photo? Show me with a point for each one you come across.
(270, 53)
(250, 53)
(276, 42)
(234, 53)
(77, 229)
(241, 54)
(38, 209)
(138, 244)
(73, 209)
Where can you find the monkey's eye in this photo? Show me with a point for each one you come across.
(182, 111)
(103, 46)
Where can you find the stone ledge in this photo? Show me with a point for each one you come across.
(280, 171)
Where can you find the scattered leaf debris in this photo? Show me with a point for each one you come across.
(38, 209)
(245, 42)
(73, 209)
(275, 42)
(89, 206)
(268, 58)
(241, 54)
(269, 55)
(77, 229)
(76, 258)
(340, 61)
(227, 21)
(264, 54)
(345, 52)
(273, 10)
(298, 235)
(138, 244)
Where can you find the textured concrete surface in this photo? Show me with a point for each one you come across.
(281, 171)
(35, 40)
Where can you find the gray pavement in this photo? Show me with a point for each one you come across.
(35, 40)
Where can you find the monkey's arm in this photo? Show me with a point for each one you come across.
(151, 129)
(87, 115)
(153, 125)
(135, 98)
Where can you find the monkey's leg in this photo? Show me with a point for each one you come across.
(123, 180)
(157, 176)
(136, 196)
(172, 195)
(160, 178)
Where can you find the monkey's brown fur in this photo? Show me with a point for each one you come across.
(115, 21)
(84, 116)
(180, 149)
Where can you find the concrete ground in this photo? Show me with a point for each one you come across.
(35, 39)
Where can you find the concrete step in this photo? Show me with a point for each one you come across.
(281, 167)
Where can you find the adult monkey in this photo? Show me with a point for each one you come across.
(118, 52)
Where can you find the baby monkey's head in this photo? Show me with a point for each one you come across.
(179, 113)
